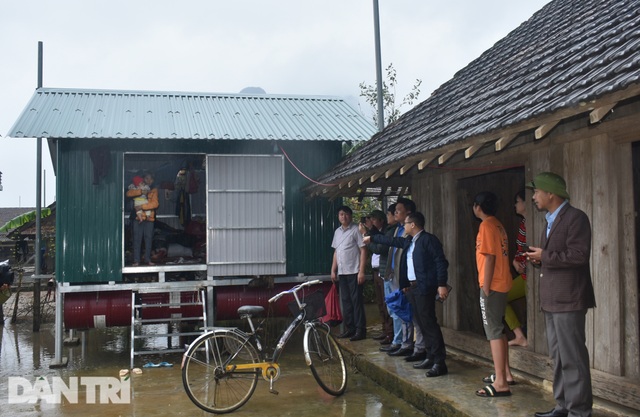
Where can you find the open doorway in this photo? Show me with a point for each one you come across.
(179, 229)
(505, 184)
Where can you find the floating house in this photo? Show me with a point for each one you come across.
(232, 219)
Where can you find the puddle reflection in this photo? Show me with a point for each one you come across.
(159, 391)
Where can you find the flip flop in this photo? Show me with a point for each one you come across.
(157, 365)
(490, 391)
(151, 365)
(492, 378)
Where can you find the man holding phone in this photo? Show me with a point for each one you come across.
(566, 293)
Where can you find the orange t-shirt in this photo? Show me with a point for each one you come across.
(492, 240)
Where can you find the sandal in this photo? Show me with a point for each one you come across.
(492, 378)
(490, 391)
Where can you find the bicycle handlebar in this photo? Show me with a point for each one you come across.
(294, 289)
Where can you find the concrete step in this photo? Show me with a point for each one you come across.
(454, 394)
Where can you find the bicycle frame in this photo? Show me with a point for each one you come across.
(270, 368)
(221, 368)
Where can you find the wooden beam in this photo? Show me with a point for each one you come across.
(423, 164)
(468, 153)
(342, 185)
(542, 130)
(407, 167)
(375, 177)
(445, 157)
(598, 114)
(504, 141)
(362, 180)
(352, 183)
(390, 172)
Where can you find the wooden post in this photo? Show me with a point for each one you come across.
(14, 318)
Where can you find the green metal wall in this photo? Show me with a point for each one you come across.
(89, 216)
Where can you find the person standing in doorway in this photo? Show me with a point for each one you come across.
(143, 230)
(566, 294)
(519, 287)
(347, 269)
(494, 277)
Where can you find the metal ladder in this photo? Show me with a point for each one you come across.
(138, 322)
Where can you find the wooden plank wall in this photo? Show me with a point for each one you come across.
(536, 330)
(606, 337)
(436, 201)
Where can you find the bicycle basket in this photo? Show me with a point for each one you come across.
(314, 306)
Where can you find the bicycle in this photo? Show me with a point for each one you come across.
(220, 369)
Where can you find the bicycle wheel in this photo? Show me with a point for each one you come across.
(208, 373)
(324, 357)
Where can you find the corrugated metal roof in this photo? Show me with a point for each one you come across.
(79, 113)
(570, 52)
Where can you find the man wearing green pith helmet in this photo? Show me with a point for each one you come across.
(566, 293)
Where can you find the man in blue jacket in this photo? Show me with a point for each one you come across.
(423, 275)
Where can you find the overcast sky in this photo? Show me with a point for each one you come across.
(284, 46)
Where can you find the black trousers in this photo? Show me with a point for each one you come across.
(352, 298)
(423, 308)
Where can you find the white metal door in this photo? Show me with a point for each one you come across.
(245, 215)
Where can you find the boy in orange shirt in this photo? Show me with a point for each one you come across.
(494, 277)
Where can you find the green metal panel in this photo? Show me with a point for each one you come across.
(89, 216)
(89, 222)
(311, 223)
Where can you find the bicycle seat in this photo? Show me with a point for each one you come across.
(250, 310)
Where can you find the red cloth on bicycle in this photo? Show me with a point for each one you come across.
(332, 303)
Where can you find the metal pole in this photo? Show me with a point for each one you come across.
(36, 284)
(376, 28)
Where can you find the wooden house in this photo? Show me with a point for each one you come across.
(559, 93)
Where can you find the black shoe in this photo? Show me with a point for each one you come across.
(401, 352)
(379, 337)
(552, 413)
(386, 341)
(389, 348)
(416, 357)
(425, 364)
(358, 336)
(438, 369)
(346, 333)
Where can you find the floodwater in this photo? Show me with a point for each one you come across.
(158, 391)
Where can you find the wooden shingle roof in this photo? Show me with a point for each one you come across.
(560, 61)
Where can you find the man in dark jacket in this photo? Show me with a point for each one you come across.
(382, 286)
(566, 293)
(423, 275)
